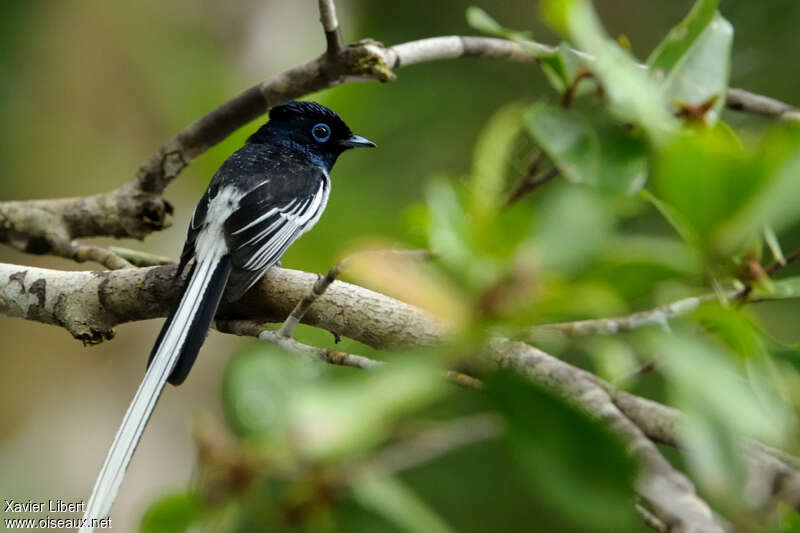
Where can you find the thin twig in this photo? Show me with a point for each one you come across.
(756, 104)
(139, 258)
(249, 328)
(658, 316)
(651, 520)
(529, 183)
(777, 265)
(289, 325)
(568, 97)
(99, 254)
(333, 33)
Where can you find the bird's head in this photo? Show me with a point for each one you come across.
(310, 127)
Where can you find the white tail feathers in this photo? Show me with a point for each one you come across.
(162, 364)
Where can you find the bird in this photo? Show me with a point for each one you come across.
(262, 198)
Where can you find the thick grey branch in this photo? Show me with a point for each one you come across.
(772, 474)
(89, 304)
(668, 492)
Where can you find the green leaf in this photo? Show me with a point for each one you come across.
(778, 166)
(680, 39)
(589, 147)
(631, 94)
(706, 179)
(563, 66)
(390, 498)
(345, 418)
(565, 244)
(782, 289)
(693, 62)
(172, 514)
(681, 226)
(773, 244)
(733, 328)
(256, 389)
(483, 22)
(490, 160)
(719, 415)
(570, 461)
(451, 235)
(727, 194)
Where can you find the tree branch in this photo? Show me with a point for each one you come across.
(658, 316)
(137, 208)
(89, 304)
(318, 289)
(756, 104)
(668, 492)
(248, 328)
(772, 475)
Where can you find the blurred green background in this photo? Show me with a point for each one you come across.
(88, 89)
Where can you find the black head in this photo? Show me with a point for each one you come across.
(311, 128)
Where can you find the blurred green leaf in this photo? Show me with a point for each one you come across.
(680, 39)
(172, 514)
(257, 389)
(692, 63)
(560, 67)
(483, 22)
(390, 498)
(589, 147)
(563, 66)
(718, 415)
(345, 418)
(782, 289)
(638, 265)
(727, 194)
(490, 160)
(569, 459)
(451, 235)
(668, 253)
(706, 179)
(778, 160)
(681, 226)
(573, 226)
(733, 327)
(790, 520)
(773, 244)
(613, 357)
(631, 94)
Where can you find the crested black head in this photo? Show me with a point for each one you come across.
(309, 127)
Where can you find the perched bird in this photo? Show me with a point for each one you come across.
(262, 199)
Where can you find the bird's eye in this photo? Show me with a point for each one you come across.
(321, 132)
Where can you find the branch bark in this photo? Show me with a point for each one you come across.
(138, 208)
(89, 304)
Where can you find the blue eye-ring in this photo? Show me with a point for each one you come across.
(321, 132)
